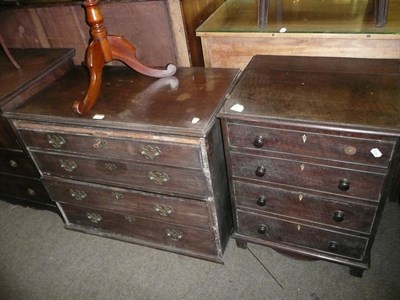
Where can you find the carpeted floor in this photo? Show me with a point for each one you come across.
(39, 259)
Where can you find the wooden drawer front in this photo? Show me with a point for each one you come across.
(149, 230)
(23, 187)
(191, 213)
(153, 178)
(312, 144)
(311, 176)
(173, 153)
(275, 230)
(17, 163)
(305, 206)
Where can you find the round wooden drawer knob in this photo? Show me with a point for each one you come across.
(260, 171)
(259, 141)
(261, 201)
(262, 229)
(344, 184)
(338, 216)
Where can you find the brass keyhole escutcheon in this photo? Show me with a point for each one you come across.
(304, 138)
(302, 166)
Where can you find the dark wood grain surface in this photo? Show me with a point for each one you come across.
(34, 64)
(337, 92)
(129, 100)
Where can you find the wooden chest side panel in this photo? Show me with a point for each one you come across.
(7, 138)
(17, 163)
(24, 188)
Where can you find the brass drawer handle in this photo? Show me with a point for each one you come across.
(110, 166)
(163, 210)
(77, 194)
(57, 141)
(117, 196)
(174, 234)
(149, 152)
(158, 178)
(13, 163)
(130, 219)
(95, 218)
(68, 165)
(31, 192)
(100, 144)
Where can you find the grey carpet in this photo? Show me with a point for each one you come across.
(39, 259)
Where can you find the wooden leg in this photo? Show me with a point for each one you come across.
(124, 51)
(357, 272)
(95, 62)
(8, 54)
(241, 244)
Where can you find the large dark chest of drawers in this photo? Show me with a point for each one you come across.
(312, 148)
(19, 178)
(145, 166)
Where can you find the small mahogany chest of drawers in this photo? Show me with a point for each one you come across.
(19, 178)
(312, 148)
(146, 166)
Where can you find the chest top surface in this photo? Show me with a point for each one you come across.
(361, 94)
(34, 64)
(185, 103)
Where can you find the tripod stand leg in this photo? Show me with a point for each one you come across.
(95, 62)
(124, 51)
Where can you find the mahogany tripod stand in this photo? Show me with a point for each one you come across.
(104, 48)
